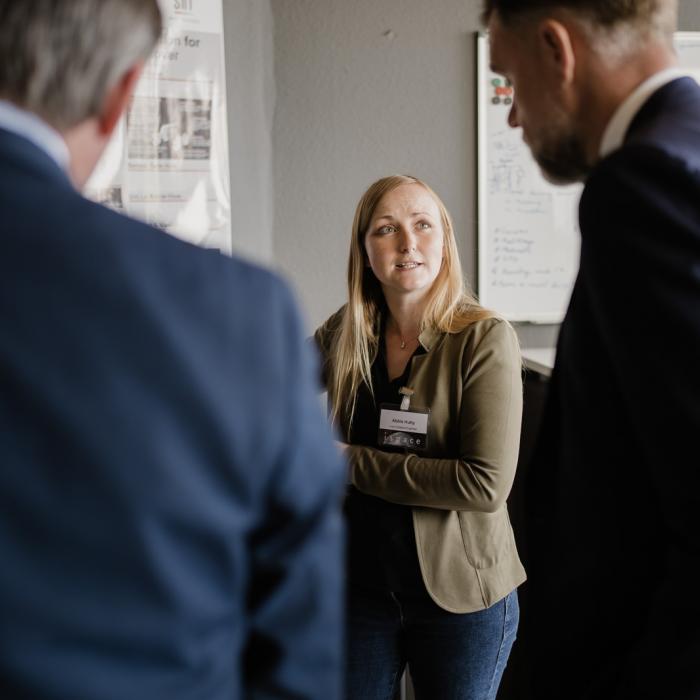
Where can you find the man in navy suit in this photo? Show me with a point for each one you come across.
(169, 492)
(615, 495)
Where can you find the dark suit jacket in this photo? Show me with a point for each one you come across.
(615, 492)
(169, 491)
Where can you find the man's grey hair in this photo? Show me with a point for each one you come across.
(59, 58)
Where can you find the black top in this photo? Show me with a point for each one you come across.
(382, 548)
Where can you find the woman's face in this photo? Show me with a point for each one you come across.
(404, 242)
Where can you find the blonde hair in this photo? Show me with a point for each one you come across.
(450, 308)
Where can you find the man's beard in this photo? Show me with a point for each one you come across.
(562, 157)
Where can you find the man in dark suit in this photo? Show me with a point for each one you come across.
(614, 501)
(169, 490)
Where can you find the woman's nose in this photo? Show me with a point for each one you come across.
(407, 242)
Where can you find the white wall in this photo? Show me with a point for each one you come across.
(361, 89)
(249, 36)
(689, 15)
(365, 89)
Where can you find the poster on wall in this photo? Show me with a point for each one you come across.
(168, 161)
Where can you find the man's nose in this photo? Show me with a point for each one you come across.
(513, 115)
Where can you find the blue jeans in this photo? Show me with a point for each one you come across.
(450, 656)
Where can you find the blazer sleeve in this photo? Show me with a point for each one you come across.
(297, 552)
(481, 475)
(642, 274)
(323, 340)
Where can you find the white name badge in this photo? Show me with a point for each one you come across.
(408, 429)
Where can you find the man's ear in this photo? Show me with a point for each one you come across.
(557, 46)
(117, 99)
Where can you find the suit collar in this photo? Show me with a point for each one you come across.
(672, 98)
(36, 130)
(619, 124)
(19, 152)
(428, 338)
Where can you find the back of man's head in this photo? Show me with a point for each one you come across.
(642, 17)
(59, 58)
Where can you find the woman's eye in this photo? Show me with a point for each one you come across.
(424, 225)
(387, 229)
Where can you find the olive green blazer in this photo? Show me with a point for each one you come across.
(471, 381)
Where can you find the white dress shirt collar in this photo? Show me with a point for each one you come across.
(616, 130)
(36, 130)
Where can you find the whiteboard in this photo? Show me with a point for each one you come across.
(528, 236)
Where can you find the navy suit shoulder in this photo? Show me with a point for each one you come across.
(169, 490)
(669, 120)
(613, 495)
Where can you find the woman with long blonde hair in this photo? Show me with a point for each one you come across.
(424, 386)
